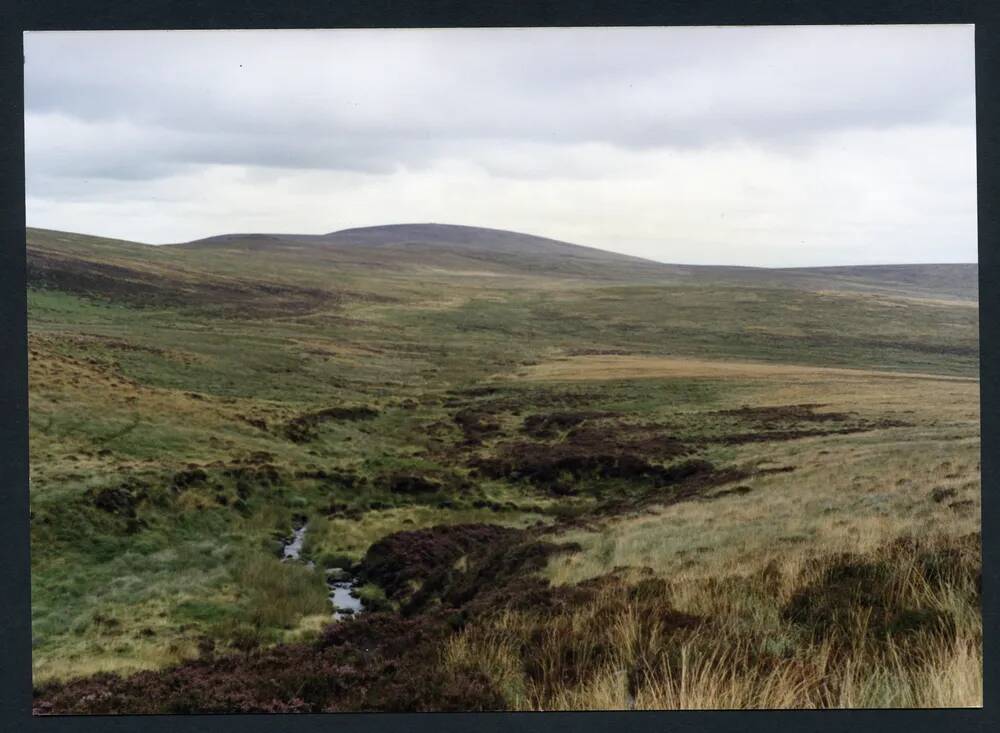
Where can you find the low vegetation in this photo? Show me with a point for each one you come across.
(551, 489)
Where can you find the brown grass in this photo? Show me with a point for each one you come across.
(913, 641)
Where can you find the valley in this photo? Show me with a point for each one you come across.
(535, 476)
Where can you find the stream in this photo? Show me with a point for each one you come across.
(340, 583)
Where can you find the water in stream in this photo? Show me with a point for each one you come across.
(293, 548)
(341, 584)
(342, 598)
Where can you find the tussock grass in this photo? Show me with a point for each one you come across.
(279, 594)
(898, 626)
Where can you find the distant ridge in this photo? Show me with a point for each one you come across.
(957, 280)
(435, 249)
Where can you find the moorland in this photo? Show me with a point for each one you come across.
(426, 467)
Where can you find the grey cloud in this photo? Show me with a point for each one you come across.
(366, 99)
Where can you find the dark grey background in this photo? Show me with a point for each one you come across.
(20, 15)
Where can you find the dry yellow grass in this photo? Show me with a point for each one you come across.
(591, 367)
(848, 500)
(846, 492)
(738, 647)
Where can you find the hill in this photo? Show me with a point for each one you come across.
(445, 246)
(289, 267)
(130, 272)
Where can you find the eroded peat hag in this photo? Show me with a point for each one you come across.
(495, 498)
(788, 422)
(302, 429)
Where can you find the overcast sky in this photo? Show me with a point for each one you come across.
(754, 146)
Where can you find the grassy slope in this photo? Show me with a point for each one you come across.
(234, 346)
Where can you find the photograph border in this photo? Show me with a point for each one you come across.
(20, 16)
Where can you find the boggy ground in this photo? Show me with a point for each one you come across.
(554, 493)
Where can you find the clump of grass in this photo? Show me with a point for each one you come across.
(279, 594)
(494, 649)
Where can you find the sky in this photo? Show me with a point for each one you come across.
(765, 146)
